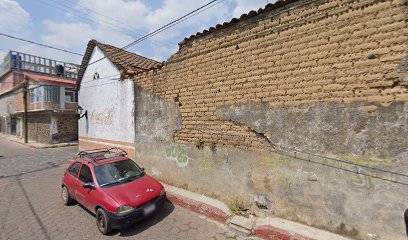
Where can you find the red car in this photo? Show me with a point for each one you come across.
(112, 186)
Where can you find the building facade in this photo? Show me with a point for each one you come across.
(51, 98)
(107, 97)
(296, 110)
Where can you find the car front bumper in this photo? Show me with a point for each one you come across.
(118, 221)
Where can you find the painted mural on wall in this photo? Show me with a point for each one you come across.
(178, 154)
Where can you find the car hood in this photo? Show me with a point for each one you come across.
(136, 192)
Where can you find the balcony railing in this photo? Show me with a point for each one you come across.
(23, 61)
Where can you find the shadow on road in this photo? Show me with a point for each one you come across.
(30, 205)
(142, 225)
(145, 224)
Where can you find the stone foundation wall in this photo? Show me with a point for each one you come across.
(39, 127)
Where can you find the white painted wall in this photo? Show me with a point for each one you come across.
(108, 100)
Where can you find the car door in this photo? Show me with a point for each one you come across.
(85, 196)
(71, 179)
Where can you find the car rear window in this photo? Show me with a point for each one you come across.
(73, 170)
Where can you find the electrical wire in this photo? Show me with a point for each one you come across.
(81, 15)
(129, 27)
(39, 44)
(97, 85)
(285, 152)
(158, 30)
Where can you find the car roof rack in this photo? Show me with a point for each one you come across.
(102, 153)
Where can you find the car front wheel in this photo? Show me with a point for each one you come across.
(66, 199)
(102, 221)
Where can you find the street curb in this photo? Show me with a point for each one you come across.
(201, 204)
(270, 228)
(58, 145)
(25, 144)
(274, 228)
(274, 233)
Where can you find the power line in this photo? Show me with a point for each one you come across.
(130, 28)
(202, 10)
(39, 44)
(81, 15)
(171, 24)
(177, 21)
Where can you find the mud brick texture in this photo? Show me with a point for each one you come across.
(305, 52)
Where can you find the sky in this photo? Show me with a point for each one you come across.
(70, 24)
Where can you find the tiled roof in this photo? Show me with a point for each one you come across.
(253, 13)
(123, 60)
(49, 79)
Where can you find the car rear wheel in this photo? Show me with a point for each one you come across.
(66, 199)
(102, 221)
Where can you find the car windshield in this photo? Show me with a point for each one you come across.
(117, 172)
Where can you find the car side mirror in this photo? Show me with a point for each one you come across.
(89, 185)
(143, 169)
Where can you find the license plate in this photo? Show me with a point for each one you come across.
(149, 209)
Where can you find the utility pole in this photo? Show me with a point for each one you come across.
(25, 90)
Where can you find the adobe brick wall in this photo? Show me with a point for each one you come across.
(326, 77)
(325, 51)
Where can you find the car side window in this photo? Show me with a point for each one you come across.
(74, 169)
(85, 175)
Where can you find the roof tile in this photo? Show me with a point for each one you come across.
(122, 59)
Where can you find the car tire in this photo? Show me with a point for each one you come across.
(66, 199)
(102, 222)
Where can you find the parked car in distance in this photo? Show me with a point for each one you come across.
(113, 187)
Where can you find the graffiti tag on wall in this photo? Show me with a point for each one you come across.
(178, 154)
(362, 176)
(104, 118)
(204, 162)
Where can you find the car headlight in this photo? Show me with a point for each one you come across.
(124, 209)
(162, 192)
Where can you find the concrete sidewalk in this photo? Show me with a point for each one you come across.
(267, 228)
(38, 145)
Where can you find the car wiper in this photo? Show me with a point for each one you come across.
(111, 183)
(134, 177)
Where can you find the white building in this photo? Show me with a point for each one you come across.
(107, 97)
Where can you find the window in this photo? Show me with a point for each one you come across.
(71, 95)
(96, 76)
(74, 169)
(51, 93)
(36, 94)
(45, 93)
(85, 175)
(117, 172)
